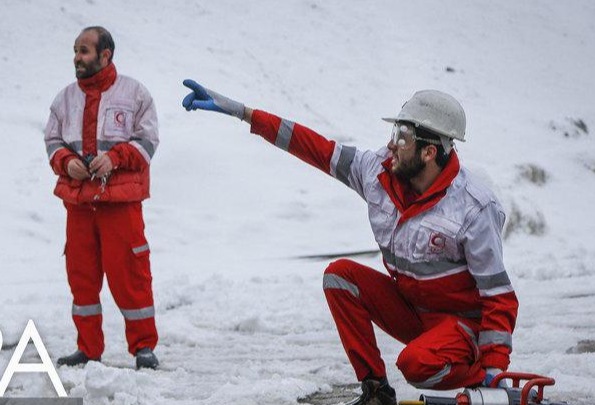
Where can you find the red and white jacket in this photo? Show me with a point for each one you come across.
(106, 113)
(443, 248)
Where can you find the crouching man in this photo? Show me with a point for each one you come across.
(447, 295)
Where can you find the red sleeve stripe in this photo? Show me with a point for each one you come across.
(265, 125)
(294, 138)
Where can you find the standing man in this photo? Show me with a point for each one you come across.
(100, 138)
(448, 297)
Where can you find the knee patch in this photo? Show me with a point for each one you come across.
(408, 363)
(336, 277)
(339, 267)
(421, 368)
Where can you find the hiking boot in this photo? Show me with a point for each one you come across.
(375, 392)
(75, 359)
(145, 358)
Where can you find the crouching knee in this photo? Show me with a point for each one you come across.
(336, 277)
(421, 368)
(409, 364)
(339, 267)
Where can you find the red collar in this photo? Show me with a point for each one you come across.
(100, 81)
(404, 197)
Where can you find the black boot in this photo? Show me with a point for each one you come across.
(75, 359)
(145, 358)
(375, 392)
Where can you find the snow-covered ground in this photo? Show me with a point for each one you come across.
(242, 319)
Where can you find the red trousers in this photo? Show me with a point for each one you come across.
(109, 239)
(441, 350)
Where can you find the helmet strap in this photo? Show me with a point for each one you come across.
(447, 143)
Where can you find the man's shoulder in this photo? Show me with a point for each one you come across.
(475, 187)
(131, 84)
(128, 80)
(374, 158)
(69, 89)
(67, 92)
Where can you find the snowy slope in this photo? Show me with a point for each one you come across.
(243, 320)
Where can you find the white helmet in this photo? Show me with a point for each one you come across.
(436, 111)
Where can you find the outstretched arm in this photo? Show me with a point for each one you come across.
(345, 163)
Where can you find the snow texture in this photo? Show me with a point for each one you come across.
(242, 319)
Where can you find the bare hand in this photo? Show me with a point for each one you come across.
(101, 165)
(77, 170)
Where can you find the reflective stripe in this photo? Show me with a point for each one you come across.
(86, 310)
(137, 314)
(335, 159)
(464, 314)
(140, 249)
(106, 145)
(146, 145)
(332, 281)
(427, 268)
(469, 331)
(284, 134)
(495, 337)
(470, 314)
(422, 269)
(53, 147)
(387, 255)
(496, 291)
(433, 380)
(76, 145)
(491, 281)
(344, 164)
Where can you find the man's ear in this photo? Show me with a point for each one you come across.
(429, 152)
(105, 56)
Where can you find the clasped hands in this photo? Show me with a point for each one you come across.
(99, 167)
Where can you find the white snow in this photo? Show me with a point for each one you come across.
(242, 320)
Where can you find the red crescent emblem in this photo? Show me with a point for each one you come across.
(437, 240)
(120, 118)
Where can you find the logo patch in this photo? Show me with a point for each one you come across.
(120, 119)
(437, 242)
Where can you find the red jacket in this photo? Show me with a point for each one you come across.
(106, 113)
(443, 248)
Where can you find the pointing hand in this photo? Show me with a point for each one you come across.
(205, 99)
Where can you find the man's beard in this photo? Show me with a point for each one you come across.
(410, 169)
(90, 69)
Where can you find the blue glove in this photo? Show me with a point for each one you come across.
(205, 99)
(491, 373)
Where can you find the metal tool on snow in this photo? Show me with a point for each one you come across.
(531, 393)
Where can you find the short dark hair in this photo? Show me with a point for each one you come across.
(441, 155)
(104, 41)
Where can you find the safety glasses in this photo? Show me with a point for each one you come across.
(404, 136)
